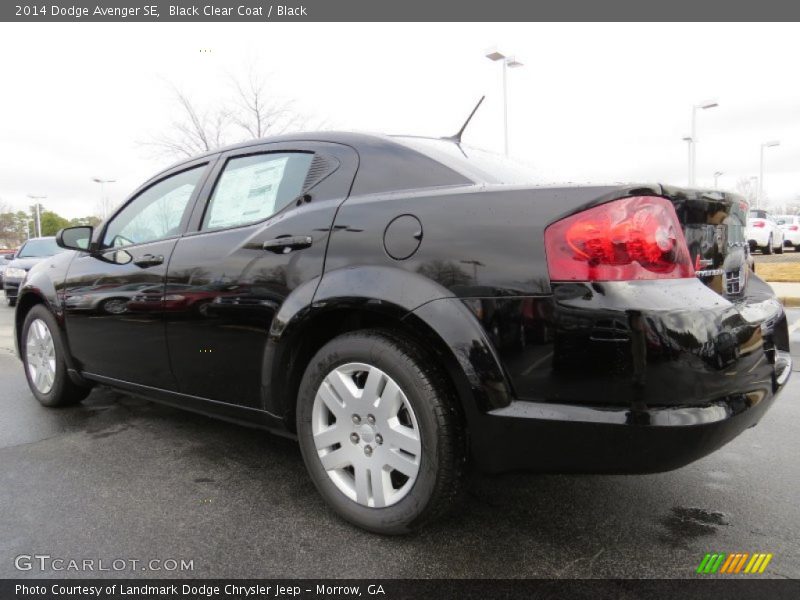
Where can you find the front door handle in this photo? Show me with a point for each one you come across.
(284, 245)
(149, 260)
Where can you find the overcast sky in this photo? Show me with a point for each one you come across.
(594, 102)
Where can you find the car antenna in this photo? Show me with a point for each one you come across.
(457, 137)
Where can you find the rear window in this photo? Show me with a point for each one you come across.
(481, 166)
(39, 248)
(758, 214)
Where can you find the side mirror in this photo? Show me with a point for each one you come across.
(75, 238)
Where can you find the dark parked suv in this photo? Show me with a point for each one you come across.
(406, 307)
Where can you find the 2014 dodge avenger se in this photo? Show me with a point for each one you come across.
(406, 307)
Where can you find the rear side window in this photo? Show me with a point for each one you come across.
(253, 188)
(758, 214)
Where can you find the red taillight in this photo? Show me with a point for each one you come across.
(631, 238)
(759, 224)
(793, 228)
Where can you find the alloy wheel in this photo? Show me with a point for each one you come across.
(116, 306)
(40, 355)
(366, 435)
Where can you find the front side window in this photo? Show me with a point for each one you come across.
(156, 213)
(252, 188)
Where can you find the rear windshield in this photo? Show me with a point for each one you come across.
(39, 248)
(481, 166)
(758, 214)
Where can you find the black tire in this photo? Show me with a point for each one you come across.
(11, 301)
(64, 391)
(768, 247)
(442, 457)
(779, 250)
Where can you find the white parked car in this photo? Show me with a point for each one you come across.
(790, 225)
(763, 232)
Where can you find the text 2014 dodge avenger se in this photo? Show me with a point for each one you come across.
(406, 307)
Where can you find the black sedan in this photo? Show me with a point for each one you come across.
(409, 308)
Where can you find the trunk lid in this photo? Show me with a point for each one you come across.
(714, 224)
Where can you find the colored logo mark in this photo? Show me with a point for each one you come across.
(733, 563)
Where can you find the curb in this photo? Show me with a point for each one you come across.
(790, 301)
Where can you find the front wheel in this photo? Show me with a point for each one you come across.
(379, 432)
(43, 356)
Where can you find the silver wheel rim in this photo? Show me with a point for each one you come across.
(115, 307)
(40, 354)
(366, 435)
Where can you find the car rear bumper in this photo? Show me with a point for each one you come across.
(11, 289)
(569, 438)
(791, 237)
(631, 377)
(758, 237)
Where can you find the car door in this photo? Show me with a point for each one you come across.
(260, 231)
(112, 331)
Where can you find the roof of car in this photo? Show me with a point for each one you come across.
(385, 162)
(349, 138)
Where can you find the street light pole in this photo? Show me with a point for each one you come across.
(38, 213)
(688, 141)
(509, 62)
(692, 139)
(760, 197)
(717, 175)
(505, 107)
(103, 203)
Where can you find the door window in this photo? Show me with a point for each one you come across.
(156, 213)
(252, 188)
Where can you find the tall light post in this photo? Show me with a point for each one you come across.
(509, 62)
(717, 175)
(692, 139)
(688, 141)
(36, 199)
(103, 203)
(759, 198)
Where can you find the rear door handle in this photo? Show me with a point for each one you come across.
(284, 245)
(149, 260)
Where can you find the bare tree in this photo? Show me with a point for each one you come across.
(195, 131)
(256, 112)
(252, 111)
(747, 187)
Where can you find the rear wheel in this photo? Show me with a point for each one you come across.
(779, 249)
(379, 432)
(43, 356)
(768, 248)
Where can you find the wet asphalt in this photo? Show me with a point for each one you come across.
(121, 478)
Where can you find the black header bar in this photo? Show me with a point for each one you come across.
(399, 10)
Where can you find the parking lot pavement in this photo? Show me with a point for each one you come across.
(121, 478)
